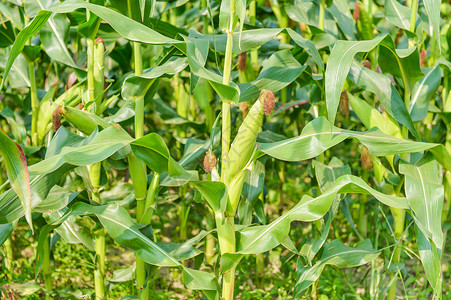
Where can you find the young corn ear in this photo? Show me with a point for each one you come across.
(423, 56)
(356, 14)
(243, 147)
(367, 64)
(83, 120)
(242, 61)
(365, 159)
(344, 104)
(56, 119)
(243, 109)
(209, 161)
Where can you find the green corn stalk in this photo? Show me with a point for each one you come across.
(278, 8)
(364, 22)
(91, 66)
(226, 225)
(241, 151)
(413, 18)
(322, 13)
(252, 14)
(139, 176)
(95, 83)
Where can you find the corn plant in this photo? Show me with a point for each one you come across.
(237, 149)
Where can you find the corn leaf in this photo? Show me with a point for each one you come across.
(337, 254)
(317, 136)
(386, 93)
(423, 91)
(17, 171)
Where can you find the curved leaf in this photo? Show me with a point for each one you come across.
(95, 148)
(40, 185)
(423, 91)
(258, 239)
(278, 71)
(402, 63)
(318, 136)
(337, 254)
(371, 117)
(425, 192)
(397, 14)
(17, 171)
(5, 231)
(337, 69)
(197, 51)
(137, 86)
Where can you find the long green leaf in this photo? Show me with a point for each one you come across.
(386, 93)
(402, 63)
(17, 171)
(430, 258)
(258, 239)
(54, 35)
(95, 148)
(318, 136)
(371, 117)
(40, 185)
(5, 231)
(397, 14)
(425, 193)
(337, 69)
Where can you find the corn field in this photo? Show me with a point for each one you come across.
(236, 149)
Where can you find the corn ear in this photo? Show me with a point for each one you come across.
(243, 146)
(70, 97)
(99, 77)
(209, 161)
(83, 120)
